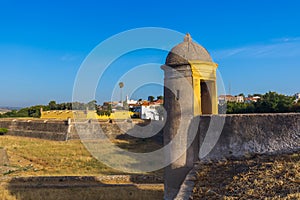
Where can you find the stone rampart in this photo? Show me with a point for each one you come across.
(43, 129)
(236, 136)
(61, 130)
(246, 134)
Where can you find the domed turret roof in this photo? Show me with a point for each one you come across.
(187, 51)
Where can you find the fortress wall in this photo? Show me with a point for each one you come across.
(241, 135)
(43, 129)
(60, 130)
(247, 134)
(5, 123)
(91, 129)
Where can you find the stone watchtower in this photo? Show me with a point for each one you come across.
(190, 91)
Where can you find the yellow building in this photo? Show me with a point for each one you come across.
(81, 114)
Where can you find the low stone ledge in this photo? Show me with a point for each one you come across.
(83, 181)
(186, 188)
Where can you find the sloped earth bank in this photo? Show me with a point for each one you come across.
(258, 177)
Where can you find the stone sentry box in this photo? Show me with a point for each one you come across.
(190, 100)
(190, 91)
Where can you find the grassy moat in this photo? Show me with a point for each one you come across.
(30, 157)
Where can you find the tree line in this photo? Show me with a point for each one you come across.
(270, 102)
(35, 111)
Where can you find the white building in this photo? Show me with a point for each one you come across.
(229, 98)
(239, 99)
(297, 96)
(130, 101)
(256, 98)
(149, 112)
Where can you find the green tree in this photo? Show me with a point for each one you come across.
(160, 97)
(92, 105)
(140, 101)
(151, 98)
(235, 108)
(296, 107)
(52, 105)
(273, 102)
(105, 112)
(270, 102)
(33, 111)
(78, 106)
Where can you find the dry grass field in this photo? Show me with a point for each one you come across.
(37, 157)
(260, 177)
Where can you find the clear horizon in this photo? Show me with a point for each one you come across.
(42, 44)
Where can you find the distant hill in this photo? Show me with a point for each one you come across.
(8, 109)
(3, 110)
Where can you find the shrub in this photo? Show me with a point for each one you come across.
(3, 131)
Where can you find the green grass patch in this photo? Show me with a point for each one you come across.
(3, 131)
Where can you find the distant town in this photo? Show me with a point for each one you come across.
(241, 98)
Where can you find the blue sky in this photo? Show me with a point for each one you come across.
(43, 43)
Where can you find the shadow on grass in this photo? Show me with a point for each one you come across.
(143, 137)
(75, 187)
